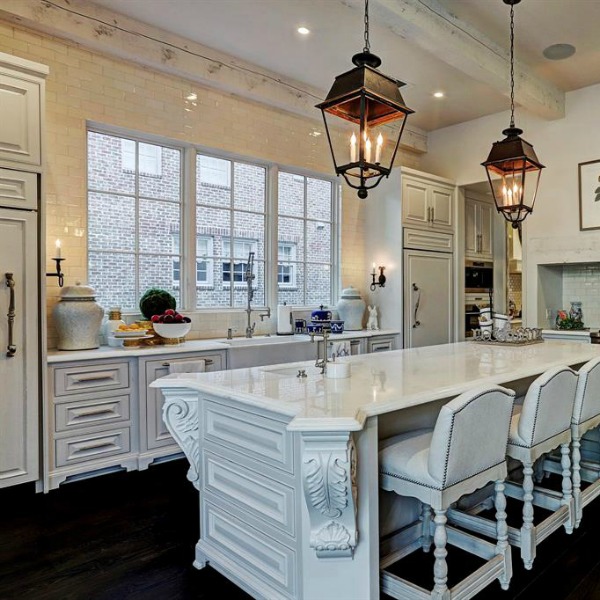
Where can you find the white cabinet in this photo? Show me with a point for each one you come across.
(19, 373)
(427, 202)
(21, 104)
(478, 229)
(382, 343)
(155, 439)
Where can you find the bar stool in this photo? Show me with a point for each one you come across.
(586, 417)
(465, 451)
(541, 424)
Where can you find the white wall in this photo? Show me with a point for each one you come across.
(551, 233)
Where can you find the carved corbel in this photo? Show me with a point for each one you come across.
(180, 414)
(329, 480)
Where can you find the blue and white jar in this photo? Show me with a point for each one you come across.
(351, 309)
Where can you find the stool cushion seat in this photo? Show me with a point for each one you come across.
(405, 456)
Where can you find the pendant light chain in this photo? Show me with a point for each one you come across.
(512, 65)
(367, 47)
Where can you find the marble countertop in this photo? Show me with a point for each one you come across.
(379, 383)
(57, 356)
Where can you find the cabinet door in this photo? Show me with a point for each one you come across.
(415, 207)
(20, 140)
(471, 229)
(486, 216)
(157, 434)
(19, 374)
(18, 189)
(428, 292)
(441, 202)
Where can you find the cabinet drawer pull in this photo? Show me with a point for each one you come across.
(87, 378)
(94, 446)
(11, 349)
(207, 361)
(90, 412)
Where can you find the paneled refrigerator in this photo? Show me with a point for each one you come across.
(19, 328)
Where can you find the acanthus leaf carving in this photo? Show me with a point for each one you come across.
(326, 485)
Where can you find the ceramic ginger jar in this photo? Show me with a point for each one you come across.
(351, 309)
(77, 318)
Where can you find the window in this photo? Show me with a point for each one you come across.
(150, 157)
(306, 208)
(214, 171)
(286, 271)
(204, 263)
(132, 218)
(137, 214)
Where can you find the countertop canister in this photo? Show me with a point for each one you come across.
(351, 309)
(77, 318)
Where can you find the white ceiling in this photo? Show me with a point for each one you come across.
(263, 32)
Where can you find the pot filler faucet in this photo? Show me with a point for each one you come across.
(249, 276)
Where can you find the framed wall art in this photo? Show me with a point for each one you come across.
(589, 195)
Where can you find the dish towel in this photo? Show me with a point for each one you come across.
(341, 348)
(188, 366)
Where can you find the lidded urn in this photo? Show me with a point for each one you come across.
(351, 308)
(77, 318)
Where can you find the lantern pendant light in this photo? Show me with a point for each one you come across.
(512, 158)
(368, 99)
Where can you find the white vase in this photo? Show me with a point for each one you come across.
(77, 318)
(351, 309)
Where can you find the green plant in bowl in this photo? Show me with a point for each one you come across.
(156, 301)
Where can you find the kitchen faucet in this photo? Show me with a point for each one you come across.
(321, 362)
(249, 276)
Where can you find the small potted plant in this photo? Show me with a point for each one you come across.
(566, 321)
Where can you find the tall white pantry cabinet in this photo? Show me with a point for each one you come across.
(21, 322)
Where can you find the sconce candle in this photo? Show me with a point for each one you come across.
(58, 255)
(380, 280)
(373, 271)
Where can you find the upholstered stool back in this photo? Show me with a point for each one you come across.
(548, 406)
(587, 397)
(470, 435)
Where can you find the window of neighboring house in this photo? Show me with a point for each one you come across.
(306, 212)
(131, 219)
(148, 155)
(214, 171)
(241, 253)
(286, 263)
(204, 263)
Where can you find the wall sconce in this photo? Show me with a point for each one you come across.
(58, 258)
(380, 280)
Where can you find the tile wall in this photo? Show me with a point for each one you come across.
(87, 85)
(581, 282)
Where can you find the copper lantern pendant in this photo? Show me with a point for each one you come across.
(368, 99)
(512, 159)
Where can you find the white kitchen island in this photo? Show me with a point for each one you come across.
(286, 466)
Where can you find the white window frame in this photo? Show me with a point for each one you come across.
(290, 263)
(207, 257)
(188, 287)
(215, 171)
(238, 258)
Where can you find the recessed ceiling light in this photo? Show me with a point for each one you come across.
(559, 51)
(192, 96)
(438, 94)
(303, 30)
(315, 133)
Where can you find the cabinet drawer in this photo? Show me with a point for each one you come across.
(74, 380)
(260, 496)
(70, 415)
(256, 437)
(251, 550)
(92, 446)
(428, 240)
(18, 189)
(382, 345)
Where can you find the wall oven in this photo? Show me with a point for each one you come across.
(479, 276)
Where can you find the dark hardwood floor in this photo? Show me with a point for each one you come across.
(132, 536)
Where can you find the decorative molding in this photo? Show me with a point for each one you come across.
(329, 480)
(180, 413)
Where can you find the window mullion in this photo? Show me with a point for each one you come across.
(138, 292)
(187, 248)
(271, 236)
(232, 235)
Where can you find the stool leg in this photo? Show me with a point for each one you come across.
(426, 527)
(440, 568)
(502, 546)
(527, 529)
(567, 499)
(576, 468)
